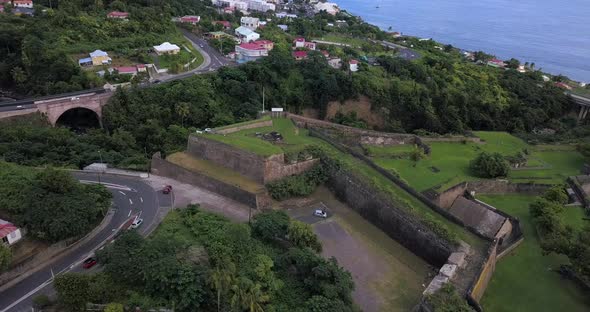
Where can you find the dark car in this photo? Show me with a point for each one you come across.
(88, 263)
(167, 189)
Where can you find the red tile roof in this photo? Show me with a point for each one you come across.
(7, 228)
(252, 46)
(299, 40)
(354, 62)
(300, 54)
(118, 14)
(224, 23)
(126, 69)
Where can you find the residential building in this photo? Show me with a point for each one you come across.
(226, 25)
(300, 43)
(283, 27)
(9, 233)
(521, 69)
(118, 15)
(260, 6)
(285, 15)
(216, 34)
(335, 62)
(299, 55)
(250, 22)
(341, 23)
(23, 11)
(252, 51)
(1, 8)
(563, 85)
(28, 4)
(246, 34)
(496, 63)
(190, 19)
(96, 58)
(329, 7)
(126, 70)
(166, 48)
(353, 65)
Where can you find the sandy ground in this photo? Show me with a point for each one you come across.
(387, 276)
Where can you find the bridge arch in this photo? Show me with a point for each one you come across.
(77, 118)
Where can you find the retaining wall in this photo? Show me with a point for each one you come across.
(258, 168)
(391, 219)
(165, 168)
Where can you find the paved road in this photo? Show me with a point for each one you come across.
(213, 60)
(130, 196)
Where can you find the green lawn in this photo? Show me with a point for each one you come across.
(524, 280)
(389, 151)
(448, 163)
(357, 42)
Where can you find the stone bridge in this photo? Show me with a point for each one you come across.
(53, 107)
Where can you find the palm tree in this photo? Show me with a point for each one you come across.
(183, 110)
(221, 279)
(248, 295)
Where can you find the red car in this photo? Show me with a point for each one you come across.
(88, 263)
(167, 189)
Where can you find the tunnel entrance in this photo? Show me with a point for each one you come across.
(78, 119)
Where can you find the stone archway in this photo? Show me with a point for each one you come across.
(78, 118)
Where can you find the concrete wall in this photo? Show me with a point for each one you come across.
(266, 123)
(390, 218)
(504, 187)
(485, 274)
(167, 169)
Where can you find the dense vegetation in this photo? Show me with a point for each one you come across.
(50, 203)
(558, 236)
(199, 261)
(40, 54)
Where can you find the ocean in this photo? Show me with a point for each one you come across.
(555, 35)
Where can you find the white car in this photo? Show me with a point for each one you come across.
(320, 213)
(136, 223)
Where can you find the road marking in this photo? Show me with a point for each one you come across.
(130, 201)
(129, 215)
(123, 193)
(141, 199)
(108, 185)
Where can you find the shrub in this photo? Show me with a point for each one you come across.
(489, 165)
(299, 185)
(41, 301)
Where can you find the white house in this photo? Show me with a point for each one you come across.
(250, 22)
(246, 52)
(246, 34)
(23, 4)
(260, 6)
(9, 233)
(166, 48)
(354, 65)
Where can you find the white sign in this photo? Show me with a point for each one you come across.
(277, 109)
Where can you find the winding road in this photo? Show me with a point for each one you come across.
(131, 196)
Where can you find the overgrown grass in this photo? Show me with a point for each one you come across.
(448, 163)
(215, 171)
(525, 280)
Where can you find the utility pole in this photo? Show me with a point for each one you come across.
(100, 155)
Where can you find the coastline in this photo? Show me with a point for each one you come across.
(568, 58)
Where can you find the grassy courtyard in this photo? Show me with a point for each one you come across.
(524, 280)
(448, 163)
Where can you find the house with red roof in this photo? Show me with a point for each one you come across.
(353, 65)
(299, 55)
(496, 63)
(226, 25)
(251, 51)
(300, 43)
(23, 4)
(118, 14)
(9, 233)
(190, 19)
(563, 85)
